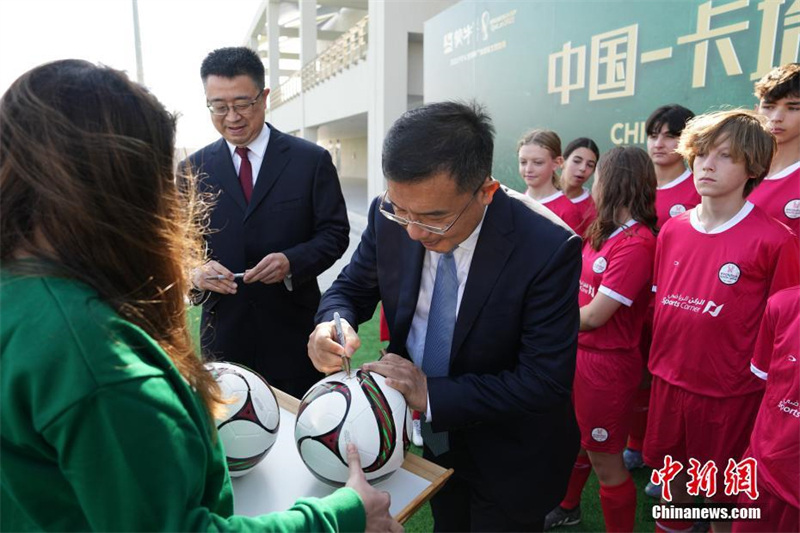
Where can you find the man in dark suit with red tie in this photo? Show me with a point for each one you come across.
(480, 289)
(278, 216)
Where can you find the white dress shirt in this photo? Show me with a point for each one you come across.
(258, 149)
(415, 344)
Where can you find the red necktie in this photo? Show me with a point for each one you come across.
(245, 173)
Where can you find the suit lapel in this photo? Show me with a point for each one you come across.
(224, 172)
(414, 256)
(491, 254)
(275, 160)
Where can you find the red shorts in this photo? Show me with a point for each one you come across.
(776, 514)
(603, 392)
(687, 425)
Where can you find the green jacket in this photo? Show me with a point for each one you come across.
(98, 430)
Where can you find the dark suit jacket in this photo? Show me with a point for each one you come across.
(296, 208)
(506, 401)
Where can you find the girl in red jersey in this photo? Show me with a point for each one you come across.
(539, 153)
(580, 158)
(614, 292)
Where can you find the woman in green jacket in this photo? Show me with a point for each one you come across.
(106, 413)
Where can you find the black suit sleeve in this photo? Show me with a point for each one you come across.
(355, 293)
(542, 379)
(331, 233)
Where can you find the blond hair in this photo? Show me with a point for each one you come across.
(746, 132)
(547, 139)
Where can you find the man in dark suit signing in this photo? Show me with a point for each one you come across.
(480, 290)
(278, 216)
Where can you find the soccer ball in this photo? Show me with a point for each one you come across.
(360, 409)
(249, 428)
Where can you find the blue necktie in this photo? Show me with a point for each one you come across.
(439, 338)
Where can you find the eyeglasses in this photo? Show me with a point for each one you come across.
(221, 109)
(386, 207)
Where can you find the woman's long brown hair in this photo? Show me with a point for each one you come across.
(627, 180)
(87, 184)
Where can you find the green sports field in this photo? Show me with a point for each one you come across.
(423, 522)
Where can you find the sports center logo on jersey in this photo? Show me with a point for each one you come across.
(712, 308)
(676, 210)
(600, 265)
(729, 273)
(693, 304)
(789, 407)
(587, 288)
(600, 434)
(792, 209)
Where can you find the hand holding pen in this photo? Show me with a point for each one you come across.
(215, 277)
(328, 348)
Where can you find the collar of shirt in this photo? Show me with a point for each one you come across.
(258, 149)
(623, 227)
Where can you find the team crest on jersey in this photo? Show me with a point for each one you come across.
(729, 273)
(600, 265)
(792, 209)
(676, 210)
(600, 434)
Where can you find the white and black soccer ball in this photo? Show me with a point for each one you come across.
(250, 426)
(360, 409)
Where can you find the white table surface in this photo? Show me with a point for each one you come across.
(281, 478)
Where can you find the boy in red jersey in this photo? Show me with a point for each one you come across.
(779, 100)
(715, 267)
(775, 442)
(675, 194)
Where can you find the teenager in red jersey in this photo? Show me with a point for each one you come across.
(775, 442)
(715, 267)
(674, 195)
(580, 158)
(615, 284)
(539, 153)
(676, 192)
(779, 100)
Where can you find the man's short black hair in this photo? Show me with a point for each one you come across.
(674, 116)
(234, 61)
(452, 137)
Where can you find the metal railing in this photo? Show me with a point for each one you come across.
(345, 51)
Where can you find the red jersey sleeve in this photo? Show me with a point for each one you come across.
(630, 270)
(787, 267)
(762, 354)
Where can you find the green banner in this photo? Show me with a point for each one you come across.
(599, 68)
